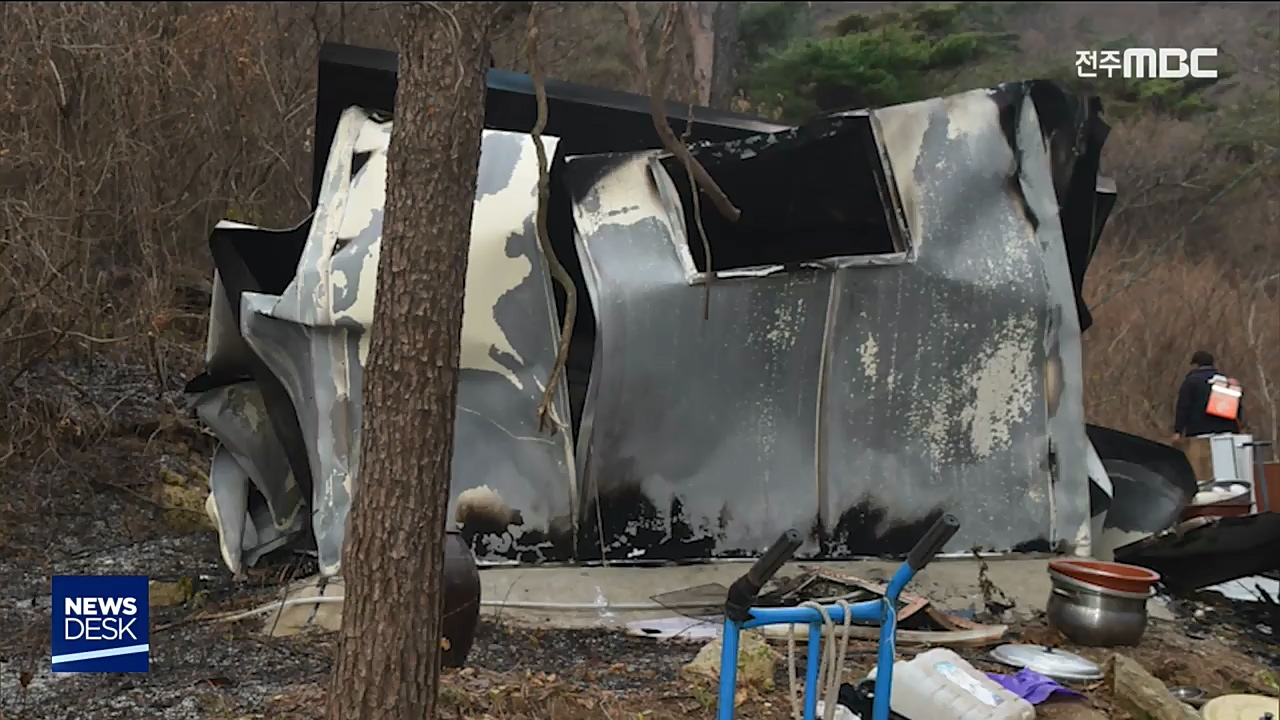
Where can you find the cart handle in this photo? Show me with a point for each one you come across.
(745, 590)
(933, 541)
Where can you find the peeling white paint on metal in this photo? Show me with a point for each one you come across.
(368, 195)
(369, 187)
(868, 351)
(374, 137)
(230, 555)
(361, 309)
(1000, 382)
(781, 336)
(1003, 384)
(491, 273)
(1019, 243)
(902, 129)
(1083, 541)
(627, 192)
(316, 263)
(1019, 252)
(971, 115)
(362, 346)
(251, 407)
(935, 424)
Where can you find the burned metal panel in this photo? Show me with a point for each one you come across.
(1166, 461)
(510, 337)
(254, 501)
(225, 351)
(948, 375)
(313, 337)
(701, 429)
(1206, 551)
(855, 399)
(1063, 373)
(935, 398)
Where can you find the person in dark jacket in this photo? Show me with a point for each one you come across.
(1193, 397)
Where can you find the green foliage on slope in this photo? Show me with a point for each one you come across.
(873, 59)
(911, 52)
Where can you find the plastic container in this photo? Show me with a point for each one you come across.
(941, 685)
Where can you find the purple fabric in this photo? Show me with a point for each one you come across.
(1032, 686)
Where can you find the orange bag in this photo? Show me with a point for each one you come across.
(1224, 397)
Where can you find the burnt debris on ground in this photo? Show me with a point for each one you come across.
(128, 499)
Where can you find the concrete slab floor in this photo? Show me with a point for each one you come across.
(523, 594)
(571, 597)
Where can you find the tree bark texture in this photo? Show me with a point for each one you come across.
(724, 65)
(388, 661)
(698, 17)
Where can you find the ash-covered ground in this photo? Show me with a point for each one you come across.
(120, 490)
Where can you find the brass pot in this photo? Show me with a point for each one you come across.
(461, 610)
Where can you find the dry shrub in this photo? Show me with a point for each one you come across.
(129, 129)
(126, 131)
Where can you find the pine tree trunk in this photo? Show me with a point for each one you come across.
(699, 20)
(724, 65)
(388, 663)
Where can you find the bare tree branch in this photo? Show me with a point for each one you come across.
(558, 272)
(657, 106)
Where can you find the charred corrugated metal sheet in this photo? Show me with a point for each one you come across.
(856, 393)
(1205, 551)
(312, 335)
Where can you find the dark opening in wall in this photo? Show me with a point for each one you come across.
(815, 193)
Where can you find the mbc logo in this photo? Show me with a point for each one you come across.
(1146, 63)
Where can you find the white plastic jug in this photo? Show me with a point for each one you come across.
(941, 685)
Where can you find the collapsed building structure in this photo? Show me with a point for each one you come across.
(891, 330)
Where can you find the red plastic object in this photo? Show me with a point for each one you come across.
(1110, 575)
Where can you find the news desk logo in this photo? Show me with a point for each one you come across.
(1146, 63)
(101, 623)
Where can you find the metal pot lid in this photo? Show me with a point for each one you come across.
(1050, 662)
(1241, 707)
